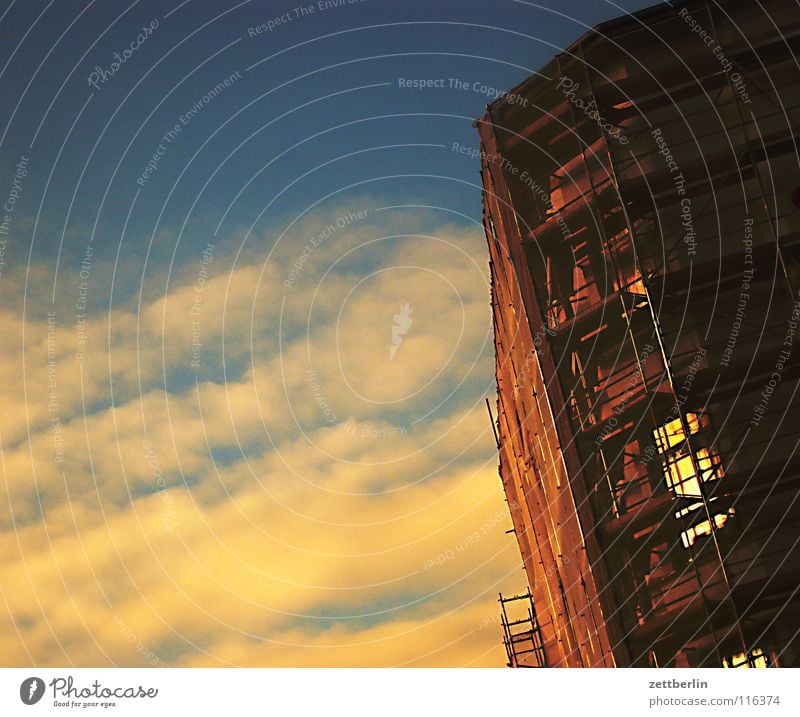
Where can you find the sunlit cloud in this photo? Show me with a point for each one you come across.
(236, 469)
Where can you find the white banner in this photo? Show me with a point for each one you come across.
(377, 692)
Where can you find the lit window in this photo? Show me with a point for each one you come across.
(681, 477)
(672, 434)
(689, 536)
(685, 473)
(631, 281)
(755, 658)
(679, 467)
(637, 287)
(689, 509)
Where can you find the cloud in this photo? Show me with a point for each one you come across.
(234, 470)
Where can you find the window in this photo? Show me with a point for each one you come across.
(755, 658)
(681, 476)
(671, 434)
(630, 273)
(677, 459)
(685, 471)
(689, 536)
(636, 286)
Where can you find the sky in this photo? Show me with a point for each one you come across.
(247, 339)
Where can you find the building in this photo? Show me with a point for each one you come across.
(642, 209)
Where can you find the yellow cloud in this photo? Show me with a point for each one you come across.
(260, 515)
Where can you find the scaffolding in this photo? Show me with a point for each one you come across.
(644, 233)
(522, 637)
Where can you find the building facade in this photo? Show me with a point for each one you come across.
(642, 209)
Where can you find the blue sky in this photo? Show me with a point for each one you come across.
(217, 453)
(319, 61)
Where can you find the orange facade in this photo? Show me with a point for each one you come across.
(642, 214)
